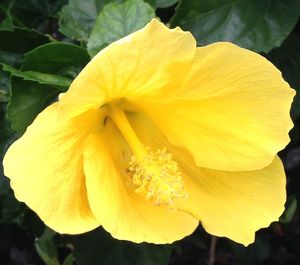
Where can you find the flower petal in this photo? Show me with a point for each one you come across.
(122, 212)
(236, 204)
(230, 204)
(232, 111)
(139, 64)
(45, 168)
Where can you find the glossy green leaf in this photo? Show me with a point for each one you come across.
(58, 64)
(27, 99)
(253, 24)
(56, 58)
(42, 78)
(118, 20)
(78, 17)
(99, 248)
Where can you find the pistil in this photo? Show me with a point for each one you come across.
(155, 172)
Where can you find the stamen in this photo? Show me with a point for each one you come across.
(158, 176)
(155, 173)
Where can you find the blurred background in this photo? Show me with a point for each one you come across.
(35, 31)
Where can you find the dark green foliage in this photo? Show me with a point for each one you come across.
(104, 250)
(44, 44)
(287, 59)
(253, 24)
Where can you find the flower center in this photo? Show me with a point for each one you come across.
(158, 176)
(155, 173)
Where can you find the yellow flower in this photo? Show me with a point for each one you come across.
(155, 135)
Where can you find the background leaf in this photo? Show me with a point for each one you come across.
(37, 14)
(253, 24)
(99, 248)
(58, 64)
(56, 58)
(27, 99)
(7, 21)
(13, 44)
(46, 247)
(118, 20)
(165, 3)
(41, 78)
(78, 17)
(287, 59)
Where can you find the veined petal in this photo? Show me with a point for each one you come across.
(230, 204)
(122, 212)
(236, 204)
(140, 64)
(232, 111)
(45, 169)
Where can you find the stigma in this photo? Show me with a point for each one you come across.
(158, 177)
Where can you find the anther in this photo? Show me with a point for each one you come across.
(158, 177)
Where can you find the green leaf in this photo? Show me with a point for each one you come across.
(99, 248)
(27, 99)
(10, 58)
(56, 58)
(7, 22)
(78, 18)
(118, 20)
(46, 247)
(165, 3)
(58, 64)
(14, 43)
(253, 24)
(36, 14)
(42, 78)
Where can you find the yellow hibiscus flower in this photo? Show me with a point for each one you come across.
(155, 135)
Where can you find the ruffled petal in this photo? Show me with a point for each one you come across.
(236, 204)
(232, 111)
(229, 204)
(122, 212)
(140, 64)
(45, 169)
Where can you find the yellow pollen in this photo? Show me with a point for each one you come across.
(155, 173)
(158, 176)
